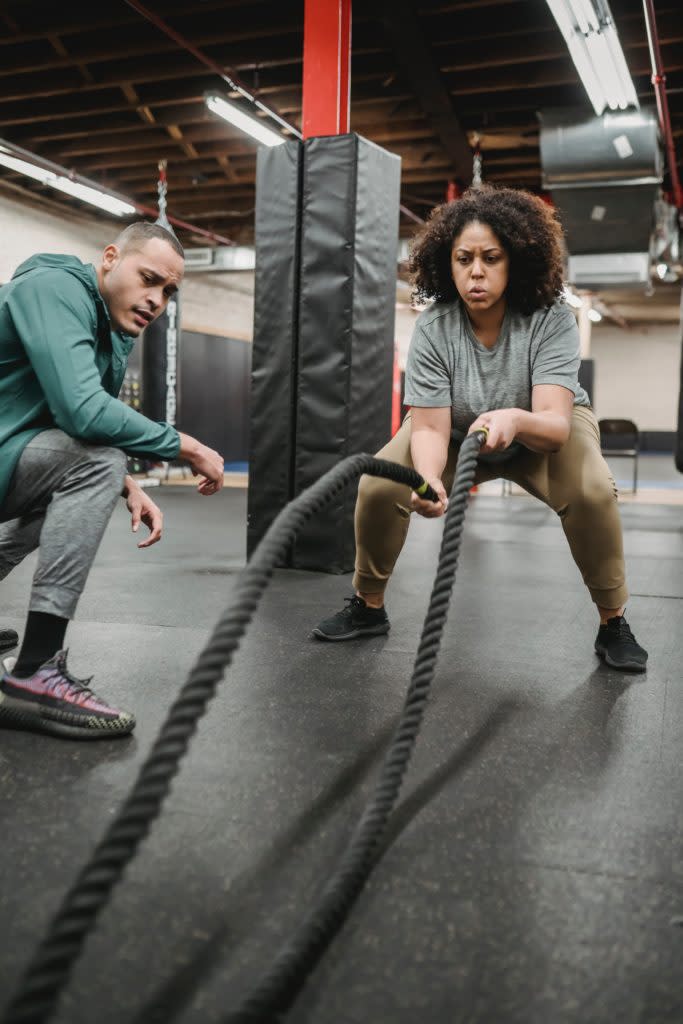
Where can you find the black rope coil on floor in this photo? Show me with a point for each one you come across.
(50, 969)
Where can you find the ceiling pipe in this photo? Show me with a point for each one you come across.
(147, 211)
(410, 215)
(229, 78)
(659, 82)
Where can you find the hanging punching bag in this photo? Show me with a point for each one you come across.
(160, 355)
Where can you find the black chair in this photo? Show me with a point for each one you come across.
(621, 439)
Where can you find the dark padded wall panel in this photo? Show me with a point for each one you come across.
(349, 232)
(214, 404)
(273, 399)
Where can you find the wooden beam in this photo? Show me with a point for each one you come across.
(281, 47)
(71, 107)
(227, 168)
(187, 147)
(418, 66)
(123, 16)
(141, 109)
(197, 126)
(152, 157)
(59, 47)
(169, 68)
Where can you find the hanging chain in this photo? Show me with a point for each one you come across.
(476, 162)
(162, 188)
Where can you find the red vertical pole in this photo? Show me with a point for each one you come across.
(327, 67)
(396, 395)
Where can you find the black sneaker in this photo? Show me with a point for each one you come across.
(8, 639)
(357, 619)
(53, 701)
(617, 646)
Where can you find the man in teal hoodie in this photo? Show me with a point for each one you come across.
(66, 331)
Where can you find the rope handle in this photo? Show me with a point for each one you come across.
(427, 492)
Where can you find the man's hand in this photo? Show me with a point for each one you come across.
(430, 509)
(205, 463)
(502, 425)
(143, 510)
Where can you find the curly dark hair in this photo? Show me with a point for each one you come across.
(526, 227)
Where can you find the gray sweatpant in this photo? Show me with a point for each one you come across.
(60, 499)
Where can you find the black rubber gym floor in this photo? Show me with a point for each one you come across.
(534, 870)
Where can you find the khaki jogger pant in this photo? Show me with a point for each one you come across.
(574, 481)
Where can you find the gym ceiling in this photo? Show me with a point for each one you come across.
(105, 92)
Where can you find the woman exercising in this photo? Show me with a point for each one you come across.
(497, 348)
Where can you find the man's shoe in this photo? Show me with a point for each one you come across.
(8, 639)
(617, 646)
(357, 619)
(53, 701)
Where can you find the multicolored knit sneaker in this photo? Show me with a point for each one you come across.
(53, 701)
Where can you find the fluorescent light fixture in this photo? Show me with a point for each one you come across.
(589, 31)
(86, 193)
(245, 122)
(594, 316)
(572, 299)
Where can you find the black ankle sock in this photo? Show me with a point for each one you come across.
(44, 636)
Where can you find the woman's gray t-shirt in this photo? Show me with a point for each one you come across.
(448, 366)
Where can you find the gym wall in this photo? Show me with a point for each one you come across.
(636, 371)
(637, 374)
(214, 392)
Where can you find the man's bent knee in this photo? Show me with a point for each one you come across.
(108, 463)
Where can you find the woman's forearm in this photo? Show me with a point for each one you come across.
(542, 431)
(429, 451)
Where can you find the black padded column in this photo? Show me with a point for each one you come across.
(276, 309)
(349, 242)
(326, 251)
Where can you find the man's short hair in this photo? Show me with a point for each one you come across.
(136, 235)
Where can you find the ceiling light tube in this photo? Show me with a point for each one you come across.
(586, 18)
(601, 58)
(589, 31)
(589, 79)
(86, 193)
(627, 87)
(245, 122)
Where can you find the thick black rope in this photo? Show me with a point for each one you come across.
(49, 971)
(275, 992)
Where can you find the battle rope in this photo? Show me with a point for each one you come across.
(49, 971)
(275, 992)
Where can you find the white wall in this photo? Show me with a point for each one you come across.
(637, 373)
(216, 303)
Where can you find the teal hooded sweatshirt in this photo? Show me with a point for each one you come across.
(62, 365)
